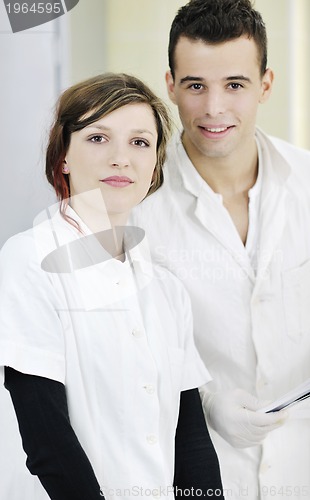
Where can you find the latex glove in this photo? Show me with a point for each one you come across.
(233, 415)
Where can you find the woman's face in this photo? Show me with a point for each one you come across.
(116, 155)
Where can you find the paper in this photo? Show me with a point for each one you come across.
(298, 394)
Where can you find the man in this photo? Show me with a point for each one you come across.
(232, 221)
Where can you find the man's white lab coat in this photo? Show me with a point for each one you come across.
(252, 328)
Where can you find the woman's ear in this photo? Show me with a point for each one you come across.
(65, 168)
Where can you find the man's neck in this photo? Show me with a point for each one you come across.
(232, 177)
(229, 180)
(229, 176)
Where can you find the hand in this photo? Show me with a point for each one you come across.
(233, 415)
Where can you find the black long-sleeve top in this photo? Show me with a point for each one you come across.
(55, 455)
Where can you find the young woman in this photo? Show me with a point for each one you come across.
(95, 342)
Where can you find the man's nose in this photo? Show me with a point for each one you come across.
(214, 103)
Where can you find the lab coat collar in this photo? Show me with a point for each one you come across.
(277, 172)
(65, 247)
(192, 181)
(277, 169)
(275, 202)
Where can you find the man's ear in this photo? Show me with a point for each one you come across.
(266, 86)
(170, 86)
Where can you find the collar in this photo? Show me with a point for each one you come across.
(275, 167)
(65, 247)
(193, 182)
(255, 192)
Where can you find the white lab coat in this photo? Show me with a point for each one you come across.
(252, 331)
(117, 334)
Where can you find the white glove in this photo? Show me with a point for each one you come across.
(233, 415)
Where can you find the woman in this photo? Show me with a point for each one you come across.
(96, 343)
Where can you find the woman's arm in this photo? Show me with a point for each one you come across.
(197, 472)
(53, 450)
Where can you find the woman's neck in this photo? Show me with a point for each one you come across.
(90, 207)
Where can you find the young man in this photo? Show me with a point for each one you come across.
(232, 221)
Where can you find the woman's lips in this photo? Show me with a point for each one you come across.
(117, 181)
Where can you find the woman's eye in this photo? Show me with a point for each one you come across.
(140, 142)
(97, 138)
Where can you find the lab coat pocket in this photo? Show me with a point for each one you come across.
(296, 298)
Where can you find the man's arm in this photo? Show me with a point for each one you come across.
(196, 464)
(52, 447)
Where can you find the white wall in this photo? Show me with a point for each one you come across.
(286, 114)
(31, 77)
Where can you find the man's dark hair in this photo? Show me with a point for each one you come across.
(217, 21)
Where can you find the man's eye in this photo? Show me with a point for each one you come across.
(140, 142)
(196, 86)
(235, 86)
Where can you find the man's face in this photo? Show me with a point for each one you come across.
(217, 89)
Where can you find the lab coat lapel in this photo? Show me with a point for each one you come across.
(217, 221)
(274, 205)
(273, 215)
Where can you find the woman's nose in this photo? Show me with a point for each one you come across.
(119, 156)
(119, 163)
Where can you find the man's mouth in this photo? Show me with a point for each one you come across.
(215, 131)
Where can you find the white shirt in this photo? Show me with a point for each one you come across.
(251, 326)
(254, 195)
(118, 335)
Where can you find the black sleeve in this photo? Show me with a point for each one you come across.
(53, 451)
(197, 471)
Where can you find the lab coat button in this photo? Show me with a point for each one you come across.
(264, 467)
(261, 383)
(150, 389)
(137, 333)
(151, 439)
